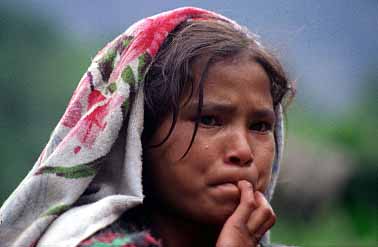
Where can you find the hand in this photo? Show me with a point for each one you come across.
(250, 220)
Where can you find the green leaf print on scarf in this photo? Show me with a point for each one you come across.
(106, 66)
(128, 76)
(112, 87)
(78, 171)
(143, 60)
(109, 58)
(126, 42)
(121, 241)
(56, 210)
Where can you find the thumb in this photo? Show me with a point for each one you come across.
(247, 203)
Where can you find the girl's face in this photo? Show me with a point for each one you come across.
(234, 142)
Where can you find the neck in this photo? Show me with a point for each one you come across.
(178, 231)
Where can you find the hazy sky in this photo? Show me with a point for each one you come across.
(327, 45)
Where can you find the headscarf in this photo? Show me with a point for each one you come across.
(79, 185)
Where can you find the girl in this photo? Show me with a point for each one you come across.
(195, 100)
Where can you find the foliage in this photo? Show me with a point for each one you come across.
(39, 70)
(332, 227)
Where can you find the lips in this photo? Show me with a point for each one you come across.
(232, 177)
(227, 185)
(225, 193)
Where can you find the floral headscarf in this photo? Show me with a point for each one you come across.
(77, 186)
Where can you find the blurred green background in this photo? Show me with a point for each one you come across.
(327, 193)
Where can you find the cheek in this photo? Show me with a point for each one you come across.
(264, 164)
(167, 165)
(176, 144)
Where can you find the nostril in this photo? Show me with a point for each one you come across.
(238, 161)
(235, 160)
(248, 162)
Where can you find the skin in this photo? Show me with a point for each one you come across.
(213, 196)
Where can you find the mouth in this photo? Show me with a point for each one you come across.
(225, 191)
(229, 183)
(226, 186)
(230, 178)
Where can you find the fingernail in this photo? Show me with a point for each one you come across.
(247, 183)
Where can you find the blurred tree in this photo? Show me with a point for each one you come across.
(39, 69)
(353, 218)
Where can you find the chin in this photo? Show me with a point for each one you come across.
(218, 215)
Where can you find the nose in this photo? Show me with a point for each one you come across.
(238, 150)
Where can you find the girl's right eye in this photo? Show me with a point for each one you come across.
(208, 120)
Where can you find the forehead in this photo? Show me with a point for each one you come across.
(239, 79)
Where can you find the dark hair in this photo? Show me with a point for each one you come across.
(171, 73)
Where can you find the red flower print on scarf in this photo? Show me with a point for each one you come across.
(86, 242)
(148, 238)
(74, 109)
(151, 33)
(73, 115)
(94, 122)
(88, 127)
(107, 237)
(94, 97)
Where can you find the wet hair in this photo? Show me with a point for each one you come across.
(170, 77)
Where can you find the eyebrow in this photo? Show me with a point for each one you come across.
(227, 108)
(211, 106)
(265, 114)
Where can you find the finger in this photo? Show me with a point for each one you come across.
(262, 218)
(266, 226)
(260, 199)
(247, 203)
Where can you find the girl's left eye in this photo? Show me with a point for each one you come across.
(209, 121)
(261, 127)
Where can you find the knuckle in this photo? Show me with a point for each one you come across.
(271, 220)
(267, 212)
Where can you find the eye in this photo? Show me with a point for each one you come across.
(209, 120)
(261, 127)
